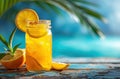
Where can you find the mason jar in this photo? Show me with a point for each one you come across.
(38, 45)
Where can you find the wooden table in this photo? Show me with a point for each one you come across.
(80, 68)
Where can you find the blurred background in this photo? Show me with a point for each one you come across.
(70, 38)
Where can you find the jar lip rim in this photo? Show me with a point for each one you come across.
(40, 21)
(33, 22)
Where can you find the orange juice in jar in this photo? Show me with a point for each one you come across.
(38, 45)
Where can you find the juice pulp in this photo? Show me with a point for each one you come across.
(38, 51)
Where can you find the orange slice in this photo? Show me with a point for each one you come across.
(13, 62)
(59, 66)
(37, 30)
(23, 16)
(33, 65)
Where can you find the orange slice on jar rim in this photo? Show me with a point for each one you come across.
(33, 28)
(23, 16)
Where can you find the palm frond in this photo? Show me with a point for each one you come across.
(61, 4)
(85, 2)
(88, 11)
(79, 12)
(73, 7)
(47, 6)
(93, 26)
(6, 4)
(42, 5)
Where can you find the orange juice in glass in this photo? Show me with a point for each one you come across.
(38, 45)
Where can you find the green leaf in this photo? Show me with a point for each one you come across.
(15, 47)
(62, 5)
(84, 19)
(54, 8)
(85, 10)
(48, 6)
(2, 6)
(93, 26)
(2, 55)
(9, 44)
(42, 5)
(90, 12)
(6, 4)
(85, 2)
(11, 37)
(3, 40)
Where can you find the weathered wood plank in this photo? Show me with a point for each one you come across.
(76, 70)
